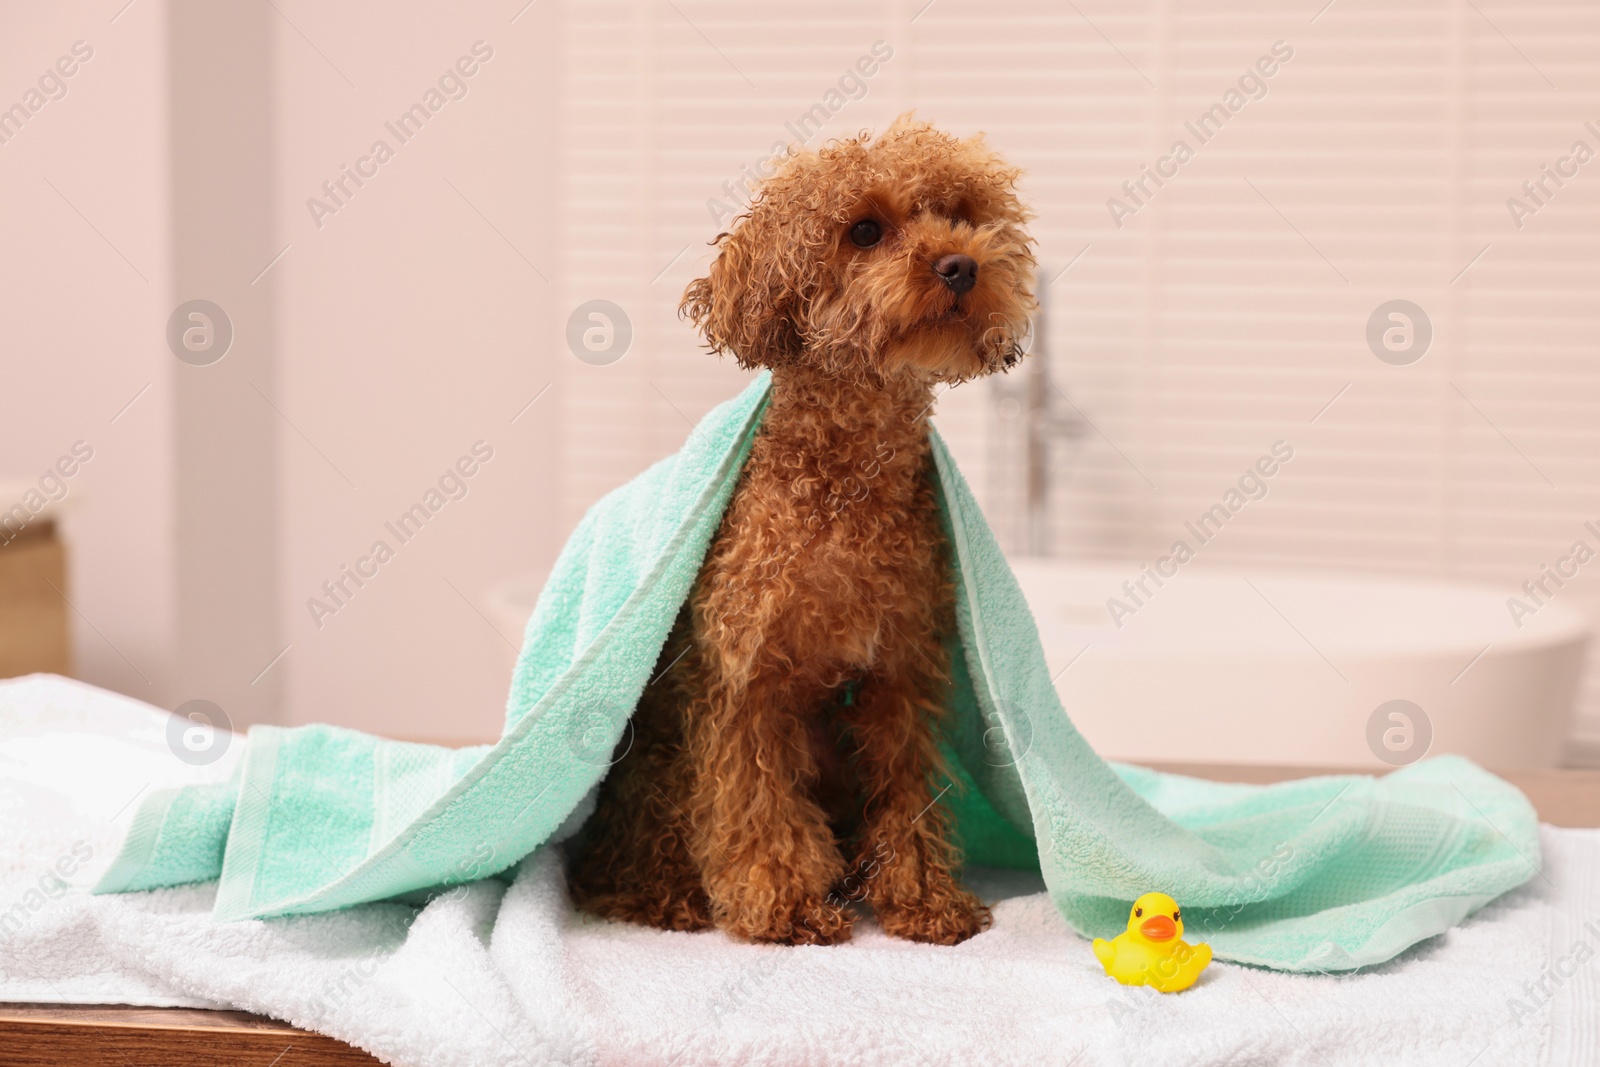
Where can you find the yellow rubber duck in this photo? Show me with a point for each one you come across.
(1153, 951)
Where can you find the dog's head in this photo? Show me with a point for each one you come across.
(899, 255)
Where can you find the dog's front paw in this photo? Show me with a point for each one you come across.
(809, 922)
(939, 919)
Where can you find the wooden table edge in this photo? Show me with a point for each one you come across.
(1564, 797)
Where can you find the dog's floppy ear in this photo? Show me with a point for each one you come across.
(746, 303)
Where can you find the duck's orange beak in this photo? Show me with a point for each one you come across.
(1159, 928)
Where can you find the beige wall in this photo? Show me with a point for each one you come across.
(414, 325)
(225, 455)
(407, 327)
(84, 268)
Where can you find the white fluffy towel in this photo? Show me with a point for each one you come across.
(495, 974)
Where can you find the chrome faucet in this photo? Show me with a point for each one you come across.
(1047, 416)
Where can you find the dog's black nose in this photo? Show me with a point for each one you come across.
(960, 273)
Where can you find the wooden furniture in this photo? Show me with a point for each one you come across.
(1561, 797)
(34, 630)
(158, 1037)
(49, 1035)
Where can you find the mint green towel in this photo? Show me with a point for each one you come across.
(1320, 874)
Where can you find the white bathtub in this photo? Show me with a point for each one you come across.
(1286, 667)
(1279, 667)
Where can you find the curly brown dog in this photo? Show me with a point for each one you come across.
(785, 763)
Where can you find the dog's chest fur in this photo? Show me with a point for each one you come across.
(830, 570)
(832, 548)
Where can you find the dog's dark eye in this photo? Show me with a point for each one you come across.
(866, 233)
